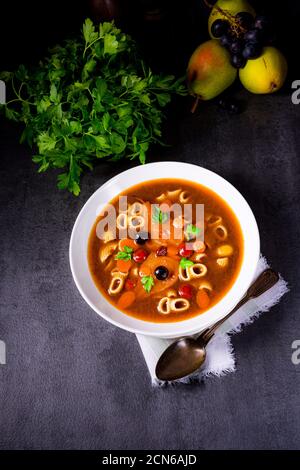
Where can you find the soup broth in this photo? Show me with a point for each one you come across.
(163, 277)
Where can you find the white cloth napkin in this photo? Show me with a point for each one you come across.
(220, 355)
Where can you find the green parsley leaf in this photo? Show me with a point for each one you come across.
(110, 44)
(125, 254)
(148, 283)
(185, 263)
(163, 99)
(158, 216)
(89, 31)
(45, 142)
(192, 231)
(53, 93)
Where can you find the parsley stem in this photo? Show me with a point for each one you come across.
(12, 101)
(18, 94)
(87, 47)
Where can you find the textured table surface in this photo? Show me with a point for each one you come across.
(74, 381)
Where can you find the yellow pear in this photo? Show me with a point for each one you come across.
(209, 70)
(230, 6)
(266, 74)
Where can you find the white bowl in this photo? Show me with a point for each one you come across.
(94, 206)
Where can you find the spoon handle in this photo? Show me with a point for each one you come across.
(264, 282)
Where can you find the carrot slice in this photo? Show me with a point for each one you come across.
(127, 242)
(145, 271)
(173, 251)
(126, 299)
(124, 265)
(202, 298)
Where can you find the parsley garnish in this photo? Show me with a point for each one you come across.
(91, 98)
(192, 231)
(125, 254)
(158, 216)
(185, 263)
(148, 283)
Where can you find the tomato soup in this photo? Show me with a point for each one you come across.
(161, 264)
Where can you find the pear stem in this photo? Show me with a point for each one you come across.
(195, 105)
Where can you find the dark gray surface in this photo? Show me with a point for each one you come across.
(74, 381)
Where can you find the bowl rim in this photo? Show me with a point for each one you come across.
(185, 330)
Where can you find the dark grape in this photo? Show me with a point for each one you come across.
(219, 27)
(237, 46)
(245, 19)
(238, 61)
(252, 51)
(253, 35)
(263, 23)
(226, 40)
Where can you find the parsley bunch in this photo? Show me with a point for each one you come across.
(92, 98)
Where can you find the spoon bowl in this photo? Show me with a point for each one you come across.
(186, 355)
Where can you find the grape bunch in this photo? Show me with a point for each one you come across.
(243, 36)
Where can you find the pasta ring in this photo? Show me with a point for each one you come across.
(108, 236)
(107, 250)
(162, 197)
(167, 305)
(179, 305)
(109, 265)
(164, 306)
(137, 209)
(116, 284)
(184, 274)
(184, 197)
(122, 221)
(198, 256)
(136, 222)
(171, 293)
(174, 194)
(214, 220)
(205, 285)
(220, 228)
(197, 270)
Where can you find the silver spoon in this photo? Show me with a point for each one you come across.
(186, 355)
